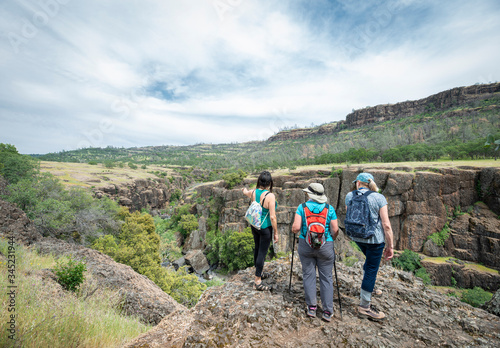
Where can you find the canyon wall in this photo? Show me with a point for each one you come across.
(142, 193)
(420, 203)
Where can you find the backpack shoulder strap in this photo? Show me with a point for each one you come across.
(265, 199)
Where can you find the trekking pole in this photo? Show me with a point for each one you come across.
(338, 290)
(291, 268)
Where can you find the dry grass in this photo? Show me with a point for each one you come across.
(86, 175)
(47, 316)
(434, 164)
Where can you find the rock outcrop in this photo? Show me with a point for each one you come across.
(141, 193)
(234, 315)
(14, 223)
(493, 305)
(380, 113)
(464, 275)
(440, 101)
(475, 236)
(141, 297)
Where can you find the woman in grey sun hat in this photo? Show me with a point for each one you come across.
(320, 257)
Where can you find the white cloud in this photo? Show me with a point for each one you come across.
(124, 73)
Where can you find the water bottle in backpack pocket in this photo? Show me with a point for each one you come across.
(358, 221)
(316, 227)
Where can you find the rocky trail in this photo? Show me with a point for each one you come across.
(235, 315)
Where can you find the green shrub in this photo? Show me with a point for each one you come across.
(59, 212)
(232, 249)
(14, 166)
(176, 195)
(188, 224)
(214, 282)
(355, 246)
(234, 178)
(350, 261)
(439, 238)
(422, 274)
(336, 172)
(109, 163)
(138, 245)
(475, 297)
(168, 244)
(144, 166)
(184, 287)
(238, 251)
(409, 261)
(453, 282)
(92, 162)
(70, 274)
(132, 165)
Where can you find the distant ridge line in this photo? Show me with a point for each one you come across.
(385, 112)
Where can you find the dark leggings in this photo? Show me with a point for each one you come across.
(262, 240)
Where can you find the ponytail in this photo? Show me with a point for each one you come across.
(372, 185)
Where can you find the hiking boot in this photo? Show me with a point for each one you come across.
(311, 311)
(327, 316)
(371, 312)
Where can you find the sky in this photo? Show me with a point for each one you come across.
(123, 73)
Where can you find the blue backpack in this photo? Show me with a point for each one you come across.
(358, 220)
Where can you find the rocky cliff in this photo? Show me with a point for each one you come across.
(440, 101)
(380, 113)
(142, 193)
(421, 202)
(234, 315)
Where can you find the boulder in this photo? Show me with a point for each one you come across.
(433, 250)
(493, 305)
(180, 262)
(197, 260)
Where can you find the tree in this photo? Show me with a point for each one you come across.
(14, 166)
(490, 141)
(234, 178)
(188, 224)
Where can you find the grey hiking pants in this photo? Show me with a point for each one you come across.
(322, 259)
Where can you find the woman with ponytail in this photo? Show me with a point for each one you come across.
(381, 241)
(269, 229)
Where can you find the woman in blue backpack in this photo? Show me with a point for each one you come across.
(263, 237)
(317, 223)
(379, 242)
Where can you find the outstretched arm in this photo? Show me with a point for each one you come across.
(247, 192)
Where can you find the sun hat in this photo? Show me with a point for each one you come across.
(316, 192)
(364, 177)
